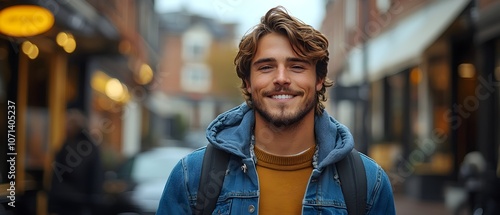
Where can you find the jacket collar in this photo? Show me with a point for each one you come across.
(232, 130)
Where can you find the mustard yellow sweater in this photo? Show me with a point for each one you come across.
(283, 181)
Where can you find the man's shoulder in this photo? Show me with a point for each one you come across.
(195, 156)
(367, 160)
(189, 165)
(370, 164)
(374, 172)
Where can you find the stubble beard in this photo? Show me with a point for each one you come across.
(284, 119)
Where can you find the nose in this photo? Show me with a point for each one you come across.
(281, 77)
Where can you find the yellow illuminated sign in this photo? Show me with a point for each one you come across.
(25, 20)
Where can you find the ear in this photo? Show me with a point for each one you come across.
(319, 84)
(249, 87)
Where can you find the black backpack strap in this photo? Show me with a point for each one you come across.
(213, 171)
(353, 182)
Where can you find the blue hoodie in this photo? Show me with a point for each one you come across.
(232, 132)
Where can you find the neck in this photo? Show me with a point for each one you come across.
(285, 141)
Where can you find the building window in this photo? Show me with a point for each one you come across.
(383, 6)
(442, 120)
(196, 78)
(196, 50)
(395, 106)
(351, 13)
(196, 44)
(377, 110)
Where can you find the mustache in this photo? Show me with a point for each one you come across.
(283, 89)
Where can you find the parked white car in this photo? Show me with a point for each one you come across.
(148, 172)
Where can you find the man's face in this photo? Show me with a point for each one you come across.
(283, 85)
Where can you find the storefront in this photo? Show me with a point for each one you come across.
(423, 114)
(33, 75)
(46, 73)
(488, 45)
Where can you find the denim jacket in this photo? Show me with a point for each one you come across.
(232, 132)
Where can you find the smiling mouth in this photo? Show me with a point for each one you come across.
(282, 96)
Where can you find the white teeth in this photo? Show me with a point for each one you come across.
(282, 96)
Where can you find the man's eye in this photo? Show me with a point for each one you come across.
(297, 67)
(265, 67)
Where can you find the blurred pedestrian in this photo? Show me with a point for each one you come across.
(77, 178)
(282, 143)
(481, 183)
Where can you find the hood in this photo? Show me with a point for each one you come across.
(232, 130)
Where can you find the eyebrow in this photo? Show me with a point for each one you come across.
(263, 60)
(296, 59)
(288, 59)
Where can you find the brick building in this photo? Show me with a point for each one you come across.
(415, 80)
(196, 79)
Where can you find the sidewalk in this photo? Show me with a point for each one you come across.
(408, 206)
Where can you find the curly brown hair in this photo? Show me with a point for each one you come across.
(307, 43)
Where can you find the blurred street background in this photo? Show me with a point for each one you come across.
(417, 82)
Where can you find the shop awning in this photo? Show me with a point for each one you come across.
(402, 46)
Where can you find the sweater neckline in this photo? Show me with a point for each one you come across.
(291, 162)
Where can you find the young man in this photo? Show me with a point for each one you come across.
(283, 145)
